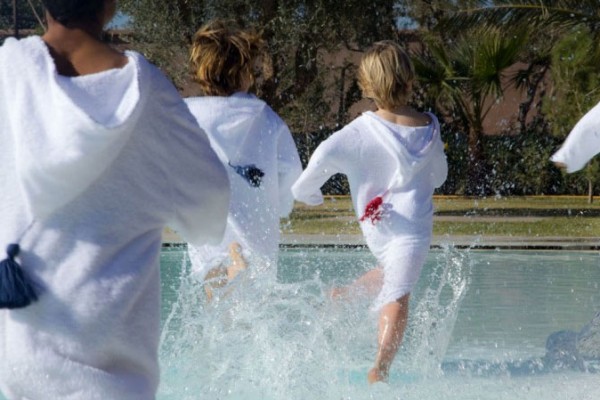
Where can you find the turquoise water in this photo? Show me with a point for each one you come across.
(478, 326)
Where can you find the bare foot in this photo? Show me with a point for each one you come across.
(238, 263)
(376, 375)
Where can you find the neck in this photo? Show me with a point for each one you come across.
(77, 49)
(403, 115)
(396, 110)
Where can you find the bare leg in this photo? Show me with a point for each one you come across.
(238, 263)
(215, 278)
(368, 284)
(219, 276)
(392, 323)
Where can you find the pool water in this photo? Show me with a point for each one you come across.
(478, 327)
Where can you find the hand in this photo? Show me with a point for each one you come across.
(560, 165)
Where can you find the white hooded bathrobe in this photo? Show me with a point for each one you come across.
(93, 168)
(259, 153)
(583, 142)
(392, 171)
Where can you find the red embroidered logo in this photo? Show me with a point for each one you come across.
(373, 210)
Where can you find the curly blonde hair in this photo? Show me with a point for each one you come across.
(386, 74)
(223, 57)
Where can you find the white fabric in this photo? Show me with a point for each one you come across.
(583, 142)
(403, 165)
(100, 192)
(97, 94)
(244, 130)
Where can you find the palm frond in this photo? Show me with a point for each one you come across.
(534, 14)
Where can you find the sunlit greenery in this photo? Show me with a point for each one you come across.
(468, 54)
(464, 77)
(302, 81)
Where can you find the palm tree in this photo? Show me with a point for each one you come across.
(559, 19)
(464, 77)
(547, 21)
(543, 15)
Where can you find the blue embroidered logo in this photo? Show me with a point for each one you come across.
(251, 173)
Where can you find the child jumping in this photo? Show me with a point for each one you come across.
(394, 159)
(254, 145)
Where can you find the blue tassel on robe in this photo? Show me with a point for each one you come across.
(251, 173)
(16, 289)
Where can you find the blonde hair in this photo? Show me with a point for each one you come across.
(223, 57)
(385, 74)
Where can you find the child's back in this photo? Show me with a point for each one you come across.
(260, 156)
(403, 163)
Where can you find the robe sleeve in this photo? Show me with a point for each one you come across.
(200, 186)
(321, 167)
(583, 142)
(439, 163)
(440, 169)
(289, 169)
(5, 137)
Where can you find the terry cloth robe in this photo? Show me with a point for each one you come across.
(583, 142)
(262, 161)
(93, 168)
(392, 171)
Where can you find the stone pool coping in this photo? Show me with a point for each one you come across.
(170, 239)
(471, 242)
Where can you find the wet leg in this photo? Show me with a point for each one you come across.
(215, 278)
(238, 263)
(393, 318)
(368, 284)
(219, 276)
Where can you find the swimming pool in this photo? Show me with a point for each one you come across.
(478, 329)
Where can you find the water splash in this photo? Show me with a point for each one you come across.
(437, 310)
(267, 338)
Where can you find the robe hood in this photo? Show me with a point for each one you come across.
(60, 150)
(238, 115)
(411, 152)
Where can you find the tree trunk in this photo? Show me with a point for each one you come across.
(476, 173)
(532, 89)
(341, 114)
(590, 191)
(15, 18)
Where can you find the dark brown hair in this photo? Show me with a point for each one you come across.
(69, 11)
(223, 57)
